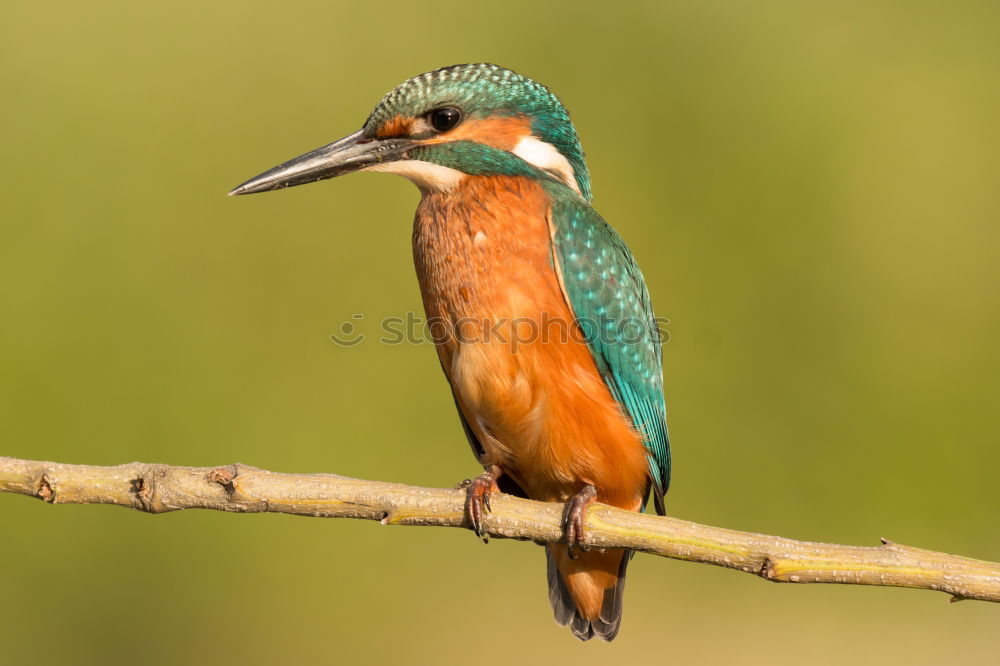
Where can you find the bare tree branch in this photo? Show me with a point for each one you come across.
(239, 488)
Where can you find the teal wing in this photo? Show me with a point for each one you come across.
(608, 296)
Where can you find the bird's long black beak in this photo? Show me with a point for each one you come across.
(352, 153)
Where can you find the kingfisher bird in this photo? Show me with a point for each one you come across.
(551, 350)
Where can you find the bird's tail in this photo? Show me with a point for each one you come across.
(586, 592)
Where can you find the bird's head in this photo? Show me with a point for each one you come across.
(441, 126)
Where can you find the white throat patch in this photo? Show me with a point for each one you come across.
(427, 176)
(545, 156)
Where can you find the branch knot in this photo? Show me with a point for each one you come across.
(45, 490)
(144, 487)
(225, 477)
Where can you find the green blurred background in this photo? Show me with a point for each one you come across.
(811, 189)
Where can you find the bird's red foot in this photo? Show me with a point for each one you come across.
(477, 499)
(576, 508)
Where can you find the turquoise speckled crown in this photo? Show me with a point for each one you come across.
(481, 90)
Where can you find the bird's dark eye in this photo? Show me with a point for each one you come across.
(444, 119)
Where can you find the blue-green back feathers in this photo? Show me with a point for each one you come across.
(609, 299)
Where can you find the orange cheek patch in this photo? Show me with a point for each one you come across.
(502, 132)
(395, 126)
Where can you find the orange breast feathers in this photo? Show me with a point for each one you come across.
(523, 376)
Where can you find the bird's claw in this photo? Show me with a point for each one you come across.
(573, 520)
(477, 501)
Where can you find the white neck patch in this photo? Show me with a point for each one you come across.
(545, 156)
(427, 176)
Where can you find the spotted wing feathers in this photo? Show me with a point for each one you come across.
(608, 296)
